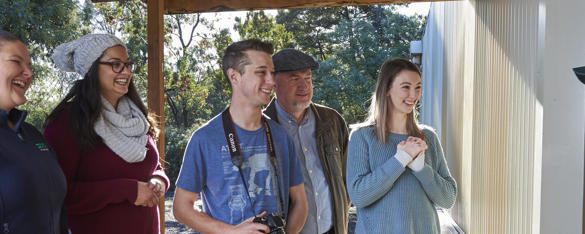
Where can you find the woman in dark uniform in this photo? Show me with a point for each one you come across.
(32, 185)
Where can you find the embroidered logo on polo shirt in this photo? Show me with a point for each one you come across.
(42, 146)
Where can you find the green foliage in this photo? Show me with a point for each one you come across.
(221, 42)
(177, 139)
(259, 25)
(45, 92)
(311, 27)
(350, 43)
(191, 76)
(43, 25)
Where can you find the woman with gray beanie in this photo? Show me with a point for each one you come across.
(105, 141)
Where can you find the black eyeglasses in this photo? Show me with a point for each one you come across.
(118, 67)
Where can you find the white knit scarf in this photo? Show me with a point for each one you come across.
(123, 130)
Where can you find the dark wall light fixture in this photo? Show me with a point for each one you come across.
(416, 51)
(580, 72)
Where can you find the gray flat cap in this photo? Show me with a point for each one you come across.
(580, 72)
(289, 60)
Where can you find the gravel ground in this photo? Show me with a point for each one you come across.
(172, 226)
(448, 226)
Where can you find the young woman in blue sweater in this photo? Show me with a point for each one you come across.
(398, 173)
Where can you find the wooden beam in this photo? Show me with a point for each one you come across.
(155, 26)
(95, 1)
(196, 6)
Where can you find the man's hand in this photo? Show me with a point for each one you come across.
(248, 226)
(299, 208)
(186, 214)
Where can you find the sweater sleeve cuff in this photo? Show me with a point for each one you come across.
(418, 163)
(163, 178)
(403, 157)
(424, 175)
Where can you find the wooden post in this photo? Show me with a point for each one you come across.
(155, 24)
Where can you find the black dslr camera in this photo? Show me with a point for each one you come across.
(274, 221)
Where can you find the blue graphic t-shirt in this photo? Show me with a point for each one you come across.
(208, 170)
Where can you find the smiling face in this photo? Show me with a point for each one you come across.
(114, 85)
(255, 84)
(404, 92)
(294, 90)
(15, 74)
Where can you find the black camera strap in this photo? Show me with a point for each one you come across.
(237, 158)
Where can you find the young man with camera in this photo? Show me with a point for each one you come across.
(241, 163)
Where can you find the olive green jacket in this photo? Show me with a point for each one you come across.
(332, 137)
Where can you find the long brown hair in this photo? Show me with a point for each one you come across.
(378, 114)
(84, 104)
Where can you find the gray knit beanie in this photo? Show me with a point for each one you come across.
(78, 55)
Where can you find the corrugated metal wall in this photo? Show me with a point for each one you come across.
(490, 118)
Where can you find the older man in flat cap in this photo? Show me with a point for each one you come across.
(320, 136)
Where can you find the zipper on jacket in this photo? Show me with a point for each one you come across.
(2, 216)
(51, 182)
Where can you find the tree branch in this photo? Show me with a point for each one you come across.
(193, 29)
(173, 107)
(180, 30)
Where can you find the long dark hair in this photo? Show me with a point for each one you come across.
(379, 113)
(85, 104)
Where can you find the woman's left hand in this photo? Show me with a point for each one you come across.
(159, 186)
(420, 143)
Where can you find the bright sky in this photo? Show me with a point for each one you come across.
(226, 19)
(420, 8)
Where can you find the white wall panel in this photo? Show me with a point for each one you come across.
(502, 70)
(563, 101)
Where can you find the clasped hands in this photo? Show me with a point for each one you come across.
(414, 146)
(150, 192)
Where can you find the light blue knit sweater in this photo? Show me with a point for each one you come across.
(391, 198)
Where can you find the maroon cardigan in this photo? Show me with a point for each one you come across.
(101, 186)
